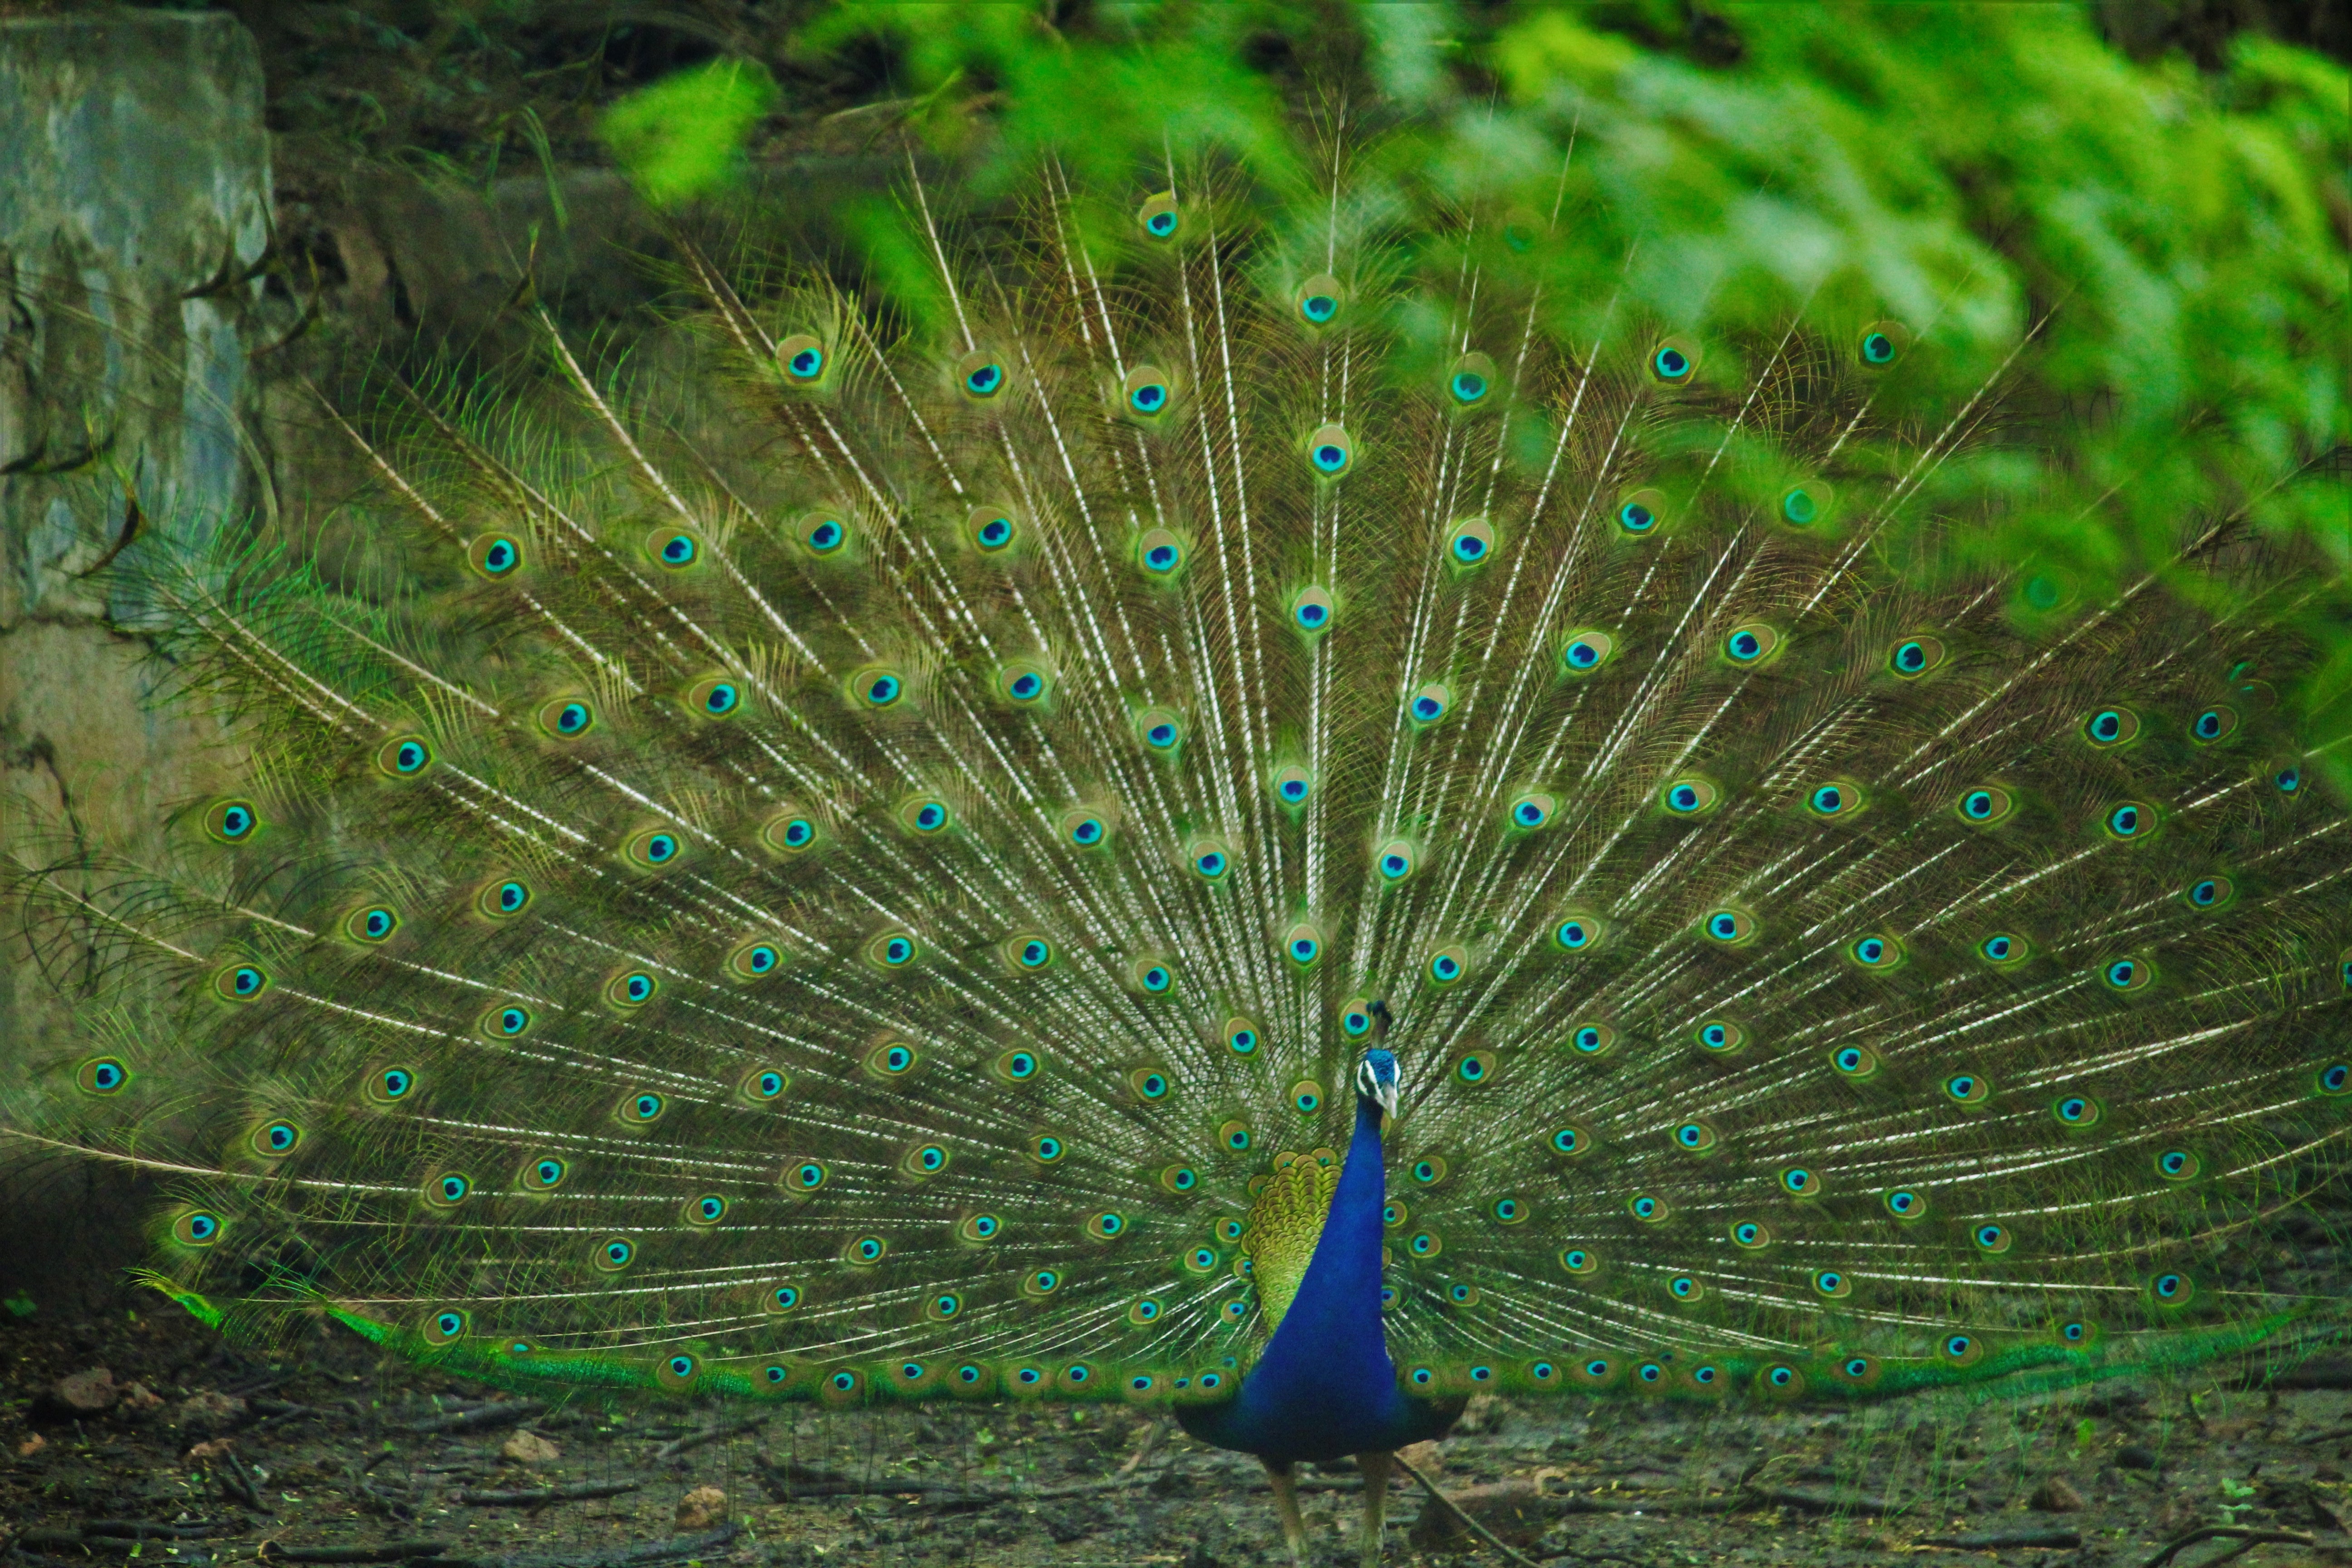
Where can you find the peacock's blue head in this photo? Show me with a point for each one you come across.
(1376, 1079)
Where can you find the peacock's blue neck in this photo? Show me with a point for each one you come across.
(1325, 1386)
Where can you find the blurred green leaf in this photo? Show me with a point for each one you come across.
(683, 137)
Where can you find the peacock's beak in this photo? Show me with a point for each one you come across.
(1386, 1094)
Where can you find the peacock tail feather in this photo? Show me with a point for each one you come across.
(883, 895)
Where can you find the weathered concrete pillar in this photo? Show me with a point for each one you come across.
(134, 211)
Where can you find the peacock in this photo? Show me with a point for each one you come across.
(1225, 820)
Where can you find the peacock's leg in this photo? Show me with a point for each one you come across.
(1286, 1508)
(1375, 1467)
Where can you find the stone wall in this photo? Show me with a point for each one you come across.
(135, 215)
(135, 209)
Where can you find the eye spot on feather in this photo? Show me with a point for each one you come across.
(1751, 1235)
(1983, 805)
(241, 982)
(764, 1085)
(1750, 645)
(714, 697)
(1969, 1089)
(824, 533)
(708, 1209)
(1690, 795)
(1470, 381)
(1085, 829)
(1240, 1037)
(1571, 1142)
(631, 989)
(2336, 1078)
(1429, 704)
(2178, 1165)
(1160, 216)
(392, 1085)
(789, 831)
(1729, 927)
(754, 960)
(992, 529)
(2075, 1111)
(1312, 610)
(404, 756)
(652, 849)
(277, 1138)
(1719, 1036)
(1881, 344)
(2127, 974)
(1209, 858)
(980, 375)
(1159, 552)
(1146, 393)
(1161, 730)
(892, 1060)
(1799, 1181)
(495, 556)
(2130, 820)
(2004, 949)
(1356, 1017)
(1531, 810)
(2208, 894)
(613, 1253)
(1639, 512)
(1330, 451)
(1907, 1205)
(448, 1191)
(802, 359)
(1302, 945)
(1585, 650)
(2213, 724)
(2108, 728)
(1853, 1063)
(1835, 800)
(1318, 300)
(1470, 541)
(1579, 1260)
(1292, 785)
(1806, 503)
(1916, 656)
(1674, 362)
(102, 1075)
(1576, 932)
(1697, 1137)
(1025, 683)
(545, 1174)
(1395, 860)
(2171, 1289)
(506, 1021)
(1875, 952)
(642, 1109)
(231, 821)
(1153, 977)
(675, 548)
(925, 815)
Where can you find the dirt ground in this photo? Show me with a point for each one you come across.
(187, 1451)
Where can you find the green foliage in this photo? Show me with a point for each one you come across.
(683, 136)
(2172, 244)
